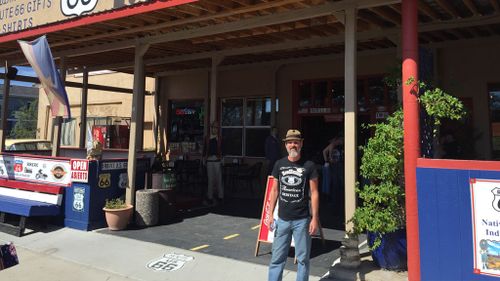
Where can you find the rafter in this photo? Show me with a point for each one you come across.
(472, 7)
(448, 8)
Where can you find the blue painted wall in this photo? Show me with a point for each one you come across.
(445, 223)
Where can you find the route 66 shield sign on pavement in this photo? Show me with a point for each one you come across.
(169, 262)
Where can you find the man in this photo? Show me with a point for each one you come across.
(212, 152)
(272, 149)
(297, 185)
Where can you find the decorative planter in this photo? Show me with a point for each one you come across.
(118, 219)
(392, 253)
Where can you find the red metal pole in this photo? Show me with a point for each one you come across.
(411, 132)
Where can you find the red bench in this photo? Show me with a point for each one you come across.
(27, 200)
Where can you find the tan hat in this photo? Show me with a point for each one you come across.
(293, 134)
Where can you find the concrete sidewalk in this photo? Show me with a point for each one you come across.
(67, 254)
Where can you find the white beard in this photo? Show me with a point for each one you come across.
(293, 153)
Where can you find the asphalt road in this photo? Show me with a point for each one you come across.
(231, 231)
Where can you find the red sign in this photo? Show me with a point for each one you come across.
(265, 233)
(79, 170)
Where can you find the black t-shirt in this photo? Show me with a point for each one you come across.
(293, 183)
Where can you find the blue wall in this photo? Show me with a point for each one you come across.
(445, 223)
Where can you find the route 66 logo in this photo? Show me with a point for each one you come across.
(496, 198)
(169, 262)
(77, 7)
(78, 196)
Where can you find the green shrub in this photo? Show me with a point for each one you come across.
(116, 203)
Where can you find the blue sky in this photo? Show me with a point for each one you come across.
(21, 70)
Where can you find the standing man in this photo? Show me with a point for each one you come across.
(272, 149)
(296, 186)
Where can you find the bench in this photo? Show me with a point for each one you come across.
(26, 200)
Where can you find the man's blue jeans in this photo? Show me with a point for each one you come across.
(283, 232)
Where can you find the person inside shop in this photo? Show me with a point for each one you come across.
(296, 190)
(332, 168)
(212, 154)
(272, 149)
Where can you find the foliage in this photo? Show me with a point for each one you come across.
(382, 164)
(116, 203)
(25, 127)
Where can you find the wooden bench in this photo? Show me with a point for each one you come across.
(27, 199)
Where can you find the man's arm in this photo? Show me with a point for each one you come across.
(273, 196)
(314, 225)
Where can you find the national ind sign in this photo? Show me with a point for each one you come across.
(485, 200)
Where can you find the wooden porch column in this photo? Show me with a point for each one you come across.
(5, 107)
(350, 132)
(216, 60)
(411, 127)
(350, 252)
(137, 121)
(83, 109)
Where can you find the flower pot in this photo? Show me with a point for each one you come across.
(391, 254)
(118, 219)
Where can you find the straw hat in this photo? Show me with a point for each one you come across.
(293, 134)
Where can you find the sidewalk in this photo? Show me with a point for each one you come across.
(67, 254)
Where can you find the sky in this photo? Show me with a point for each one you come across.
(21, 70)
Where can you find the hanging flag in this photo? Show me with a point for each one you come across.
(38, 54)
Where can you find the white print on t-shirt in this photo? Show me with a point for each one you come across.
(292, 184)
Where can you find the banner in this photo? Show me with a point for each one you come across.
(485, 200)
(38, 54)
(37, 170)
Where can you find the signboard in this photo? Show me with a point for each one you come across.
(19, 15)
(485, 200)
(79, 170)
(38, 170)
(113, 165)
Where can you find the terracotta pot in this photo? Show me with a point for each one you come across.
(118, 219)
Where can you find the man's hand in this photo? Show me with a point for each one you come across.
(313, 226)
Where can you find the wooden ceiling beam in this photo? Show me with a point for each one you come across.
(386, 15)
(448, 8)
(494, 4)
(426, 9)
(472, 7)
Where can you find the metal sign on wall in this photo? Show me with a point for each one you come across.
(19, 15)
(486, 226)
(38, 170)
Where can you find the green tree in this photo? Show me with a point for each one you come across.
(25, 127)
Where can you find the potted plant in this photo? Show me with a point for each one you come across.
(117, 213)
(382, 211)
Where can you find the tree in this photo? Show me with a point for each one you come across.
(26, 116)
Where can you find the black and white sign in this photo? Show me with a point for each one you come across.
(78, 196)
(169, 262)
(77, 7)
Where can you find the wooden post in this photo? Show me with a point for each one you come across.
(5, 108)
(137, 120)
(83, 109)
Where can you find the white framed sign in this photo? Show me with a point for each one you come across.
(485, 206)
(38, 170)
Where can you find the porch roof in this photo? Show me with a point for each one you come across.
(249, 31)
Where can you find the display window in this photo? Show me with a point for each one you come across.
(245, 124)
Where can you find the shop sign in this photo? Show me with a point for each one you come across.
(169, 262)
(37, 170)
(79, 170)
(19, 15)
(485, 200)
(119, 165)
(320, 110)
(185, 111)
(78, 199)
